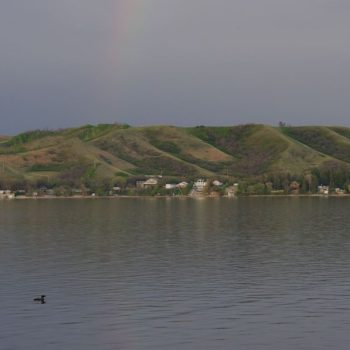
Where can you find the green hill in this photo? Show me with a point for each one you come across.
(114, 153)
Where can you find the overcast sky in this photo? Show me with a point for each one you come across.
(182, 62)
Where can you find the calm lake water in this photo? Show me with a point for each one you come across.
(248, 273)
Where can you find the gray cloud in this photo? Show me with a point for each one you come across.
(183, 62)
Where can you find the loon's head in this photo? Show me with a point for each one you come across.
(42, 299)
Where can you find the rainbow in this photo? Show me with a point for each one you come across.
(129, 16)
(128, 21)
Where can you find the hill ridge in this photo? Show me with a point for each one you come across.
(118, 153)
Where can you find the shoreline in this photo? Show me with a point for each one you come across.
(179, 197)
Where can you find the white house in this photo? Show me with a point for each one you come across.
(183, 184)
(6, 194)
(116, 189)
(199, 185)
(323, 189)
(170, 186)
(148, 183)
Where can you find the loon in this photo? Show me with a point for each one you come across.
(41, 299)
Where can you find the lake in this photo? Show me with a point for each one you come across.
(247, 273)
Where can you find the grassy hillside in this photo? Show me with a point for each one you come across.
(334, 142)
(260, 149)
(114, 152)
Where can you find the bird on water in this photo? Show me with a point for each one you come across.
(41, 299)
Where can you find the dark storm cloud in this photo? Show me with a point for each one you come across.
(70, 62)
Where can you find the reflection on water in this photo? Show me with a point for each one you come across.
(252, 273)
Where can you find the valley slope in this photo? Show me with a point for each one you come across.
(113, 152)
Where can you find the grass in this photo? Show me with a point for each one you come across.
(322, 139)
(116, 151)
(342, 131)
(40, 167)
(181, 144)
(91, 132)
(29, 136)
